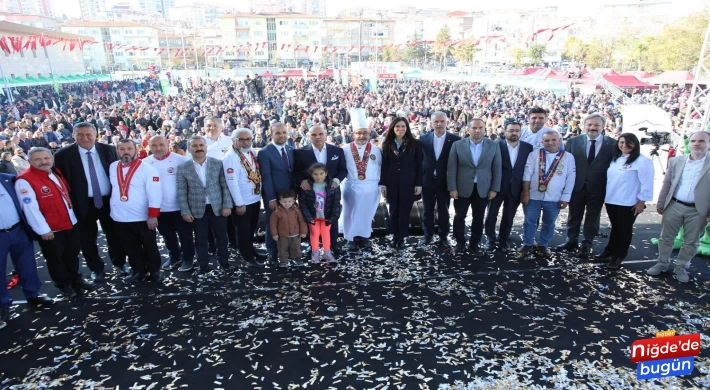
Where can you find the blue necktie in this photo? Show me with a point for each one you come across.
(285, 158)
(98, 200)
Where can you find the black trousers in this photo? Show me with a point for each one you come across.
(141, 246)
(171, 226)
(246, 228)
(218, 226)
(436, 197)
(478, 210)
(88, 235)
(589, 203)
(62, 255)
(231, 231)
(622, 228)
(510, 207)
(400, 201)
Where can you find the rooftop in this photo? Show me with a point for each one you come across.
(119, 23)
(14, 28)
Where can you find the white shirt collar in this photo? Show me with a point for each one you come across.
(92, 150)
(440, 136)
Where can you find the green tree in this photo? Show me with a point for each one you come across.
(442, 46)
(517, 55)
(536, 52)
(679, 45)
(392, 54)
(464, 52)
(416, 50)
(597, 54)
(575, 48)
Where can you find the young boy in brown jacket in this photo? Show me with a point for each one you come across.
(287, 228)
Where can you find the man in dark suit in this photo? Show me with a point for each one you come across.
(276, 163)
(514, 153)
(436, 147)
(85, 166)
(592, 153)
(320, 152)
(473, 176)
(16, 241)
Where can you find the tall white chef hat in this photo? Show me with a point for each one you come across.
(358, 120)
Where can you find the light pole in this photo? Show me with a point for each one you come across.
(359, 40)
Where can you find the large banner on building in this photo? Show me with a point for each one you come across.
(377, 68)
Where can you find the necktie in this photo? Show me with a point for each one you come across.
(285, 158)
(592, 151)
(98, 200)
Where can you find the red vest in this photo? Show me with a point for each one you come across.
(50, 201)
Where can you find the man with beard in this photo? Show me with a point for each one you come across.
(241, 169)
(361, 193)
(136, 196)
(514, 153)
(44, 195)
(170, 222)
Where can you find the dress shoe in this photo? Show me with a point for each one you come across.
(604, 256)
(490, 246)
(525, 250)
(226, 267)
(476, 249)
(13, 282)
(185, 267)
(427, 240)
(615, 262)
(365, 243)
(459, 248)
(352, 246)
(2, 324)
(567, 246)
(170, 264)
(444, 242)
(40, 300)
(212, 251)
(204, 269)
(98, 276)
(504, 247)
(584, 251)
(68, 292)
(124, 270)
(399, 244)
(253, 263)
(298, 262)
(82, 284)
(544, 251)
(260, 255)
(135, 278)
(5, 314)
(283, 264)
(156, 277)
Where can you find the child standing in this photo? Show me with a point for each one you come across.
(320, 207)
(288, 227)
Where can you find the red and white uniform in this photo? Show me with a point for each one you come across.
(241, 188)
(143, 192)
(167, 169)
(45, 207)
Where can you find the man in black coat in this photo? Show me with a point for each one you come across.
(436, 146)
(334, 160)
(85, 166)
(514, 153)
(592, 153)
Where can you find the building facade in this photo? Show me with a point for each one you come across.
(40, 62)
(37, 21)
(101, 57)
(92, 9)
(358, 38)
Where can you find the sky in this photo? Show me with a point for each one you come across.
(71, 7)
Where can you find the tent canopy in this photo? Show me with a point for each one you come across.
(626, 81)
(327, 73)
(679, 77)
(639, 74)
(292, 73)
(605, 71)
(268, 74)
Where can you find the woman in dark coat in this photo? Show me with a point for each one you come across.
(401, 177)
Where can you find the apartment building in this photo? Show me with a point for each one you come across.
(348, 32)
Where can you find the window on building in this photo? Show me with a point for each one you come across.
(82, 31)
(313, 33)
(314, 23)
(283, 22)
(118, 54)
(34, 53)
(283, 33)
(316, 43)
(115, 31)
(128, 32)
(259, 53)
(258, 33)
(140, 32)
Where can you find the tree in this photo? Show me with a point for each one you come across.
(416, 50)
(517, 54)
(678, 46)
(575, 49)
(442, 47)
(392, 54)
(536, 52)
(465, 51)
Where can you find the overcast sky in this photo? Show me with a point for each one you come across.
(71, 7)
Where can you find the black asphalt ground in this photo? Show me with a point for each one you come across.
(420, 319)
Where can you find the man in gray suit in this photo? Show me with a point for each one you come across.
(592, 153)
(473, 177)
(684, 202)
(205, 202)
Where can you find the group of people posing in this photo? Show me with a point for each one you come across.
(211, 200)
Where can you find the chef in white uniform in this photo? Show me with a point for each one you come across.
(361, 193)
(218, 144)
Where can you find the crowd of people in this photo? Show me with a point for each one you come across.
(198, 167)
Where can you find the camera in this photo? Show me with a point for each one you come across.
(655, 139)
